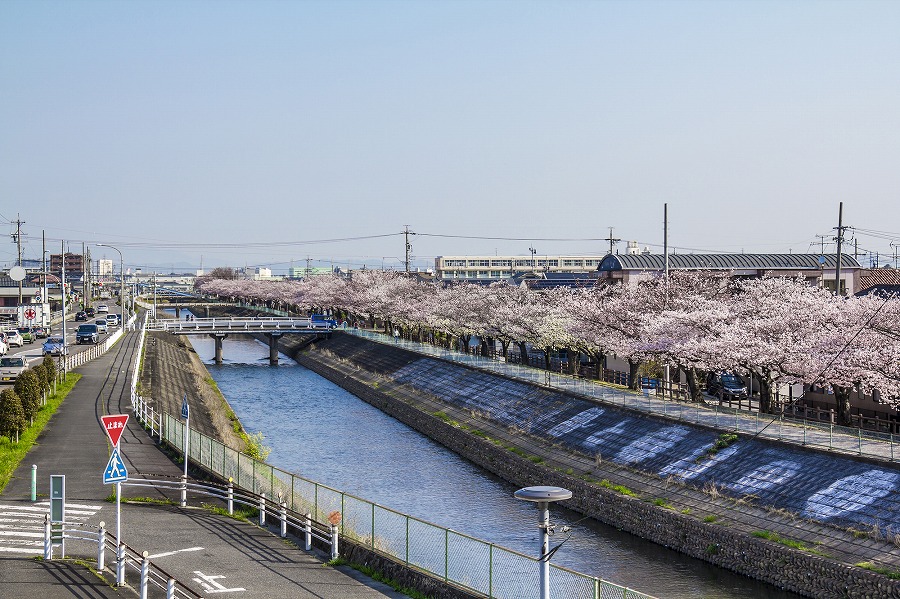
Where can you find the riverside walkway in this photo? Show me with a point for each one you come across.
(205, 552)
(850, 441)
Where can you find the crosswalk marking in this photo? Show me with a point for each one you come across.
(22, 524)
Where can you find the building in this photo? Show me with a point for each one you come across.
(878, 280)
(74, 264)
(301, 272)
(816, 269)
(498, 268)
(105, 267)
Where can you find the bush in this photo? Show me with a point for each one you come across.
(12, 415)
(30, 391)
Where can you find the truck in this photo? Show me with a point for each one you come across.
(320, 321)
(33, 315)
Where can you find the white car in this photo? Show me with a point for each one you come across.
(11, 368)
(102, 327)
(102, 309)
(4, 346)
(112, 320)
(15, 338)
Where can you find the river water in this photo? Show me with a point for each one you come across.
(319, 431)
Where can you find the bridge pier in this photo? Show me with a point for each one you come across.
(177, 313)
(219, 339)
(206, 307)
(273, 348)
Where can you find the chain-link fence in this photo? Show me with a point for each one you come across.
(452, 556)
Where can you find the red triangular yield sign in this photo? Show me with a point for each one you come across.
(114, 425)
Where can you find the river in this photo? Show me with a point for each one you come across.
(319, 431)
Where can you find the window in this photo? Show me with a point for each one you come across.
(523, 262)
(591, 262)
(450, 263)
(501, 263)
(476, 263)
(573, 262)
(483, 274)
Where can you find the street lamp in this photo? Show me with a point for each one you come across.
(543, 496)
(533, 252)
(121, 280)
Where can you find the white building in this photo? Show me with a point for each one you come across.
(505, 267)
(104, 267)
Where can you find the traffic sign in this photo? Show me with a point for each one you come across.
(115, 469)
(30, 313)
(114, 425)
(185, 410)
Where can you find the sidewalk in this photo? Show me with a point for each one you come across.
(203, 551)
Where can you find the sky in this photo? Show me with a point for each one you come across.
(265, 133)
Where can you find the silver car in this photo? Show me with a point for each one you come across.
(12, 367)
(102, 326)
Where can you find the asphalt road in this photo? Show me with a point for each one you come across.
(209, 553)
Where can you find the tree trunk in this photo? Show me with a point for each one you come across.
(574, 361)
(693, 387)
(546, 351)
(634, 383)
(765, 395)
(505, 345)
(523, 352)
(465, 340)
(842, 397)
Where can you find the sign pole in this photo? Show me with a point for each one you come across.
(118, 525)
(115, 472)
(186, 414)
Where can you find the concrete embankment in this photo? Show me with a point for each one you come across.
(797, 553)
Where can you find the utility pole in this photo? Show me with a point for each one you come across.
(612, 240)
(306, 274)
(17, 237)
(407, 233)
(840, 240)
(822, 239)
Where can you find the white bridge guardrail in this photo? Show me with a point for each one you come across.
(457, 558)
(237, 325)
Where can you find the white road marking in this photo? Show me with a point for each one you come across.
(168, 553)
(211, 585)
(22, 524)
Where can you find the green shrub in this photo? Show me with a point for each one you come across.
(12, 415)
(30, 391)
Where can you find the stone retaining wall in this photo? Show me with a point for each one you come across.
(795, 570)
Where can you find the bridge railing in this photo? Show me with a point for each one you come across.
(237, 325)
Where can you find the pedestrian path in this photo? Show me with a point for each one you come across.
(851, 441)
(22, 524)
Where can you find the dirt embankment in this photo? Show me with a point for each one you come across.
(172, 369)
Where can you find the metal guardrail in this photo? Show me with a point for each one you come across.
(56, 533)
(826, 436)
(238, 325)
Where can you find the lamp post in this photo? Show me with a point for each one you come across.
(121, 281)
(543, 497)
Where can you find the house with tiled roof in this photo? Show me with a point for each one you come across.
(878, 280)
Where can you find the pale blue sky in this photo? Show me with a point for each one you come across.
(165, 123)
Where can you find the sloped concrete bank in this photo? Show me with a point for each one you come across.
(366, 370)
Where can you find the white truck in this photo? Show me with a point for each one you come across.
(33, 315)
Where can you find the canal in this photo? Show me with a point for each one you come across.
(319, 431)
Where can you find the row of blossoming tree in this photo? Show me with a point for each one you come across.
(779, 331)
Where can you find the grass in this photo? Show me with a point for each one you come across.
(710, 519)
(794, 544)
(892, 574)
(618, 488)
(722, 441)
(242, 514)
(11, 454)
(375, 575)
(660, 502)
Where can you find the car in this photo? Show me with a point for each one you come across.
(81, 315)
(87, 333)
(730, 385)
(12, 367)
(15, 338)
(4, 344)
(90, 311)
(41, 332)
(27, 334)
(102, 309)
(102, 325)
(54, 346)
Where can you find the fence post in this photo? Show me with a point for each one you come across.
(262, 509)
(283, 515)
(230, 496)
(145, 571)
(48, 547)
(308, 531)
(34, 482)
(334, 541)
(170, 589)
(120, 563)
(184, 488)
(101, 547)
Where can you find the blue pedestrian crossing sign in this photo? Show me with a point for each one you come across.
(115, 470)
(185, 410)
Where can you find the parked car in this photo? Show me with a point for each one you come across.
(730, 385)
(102, 326)
(12, 367)
(87, 333)
(27, 334)
(15, 338)
(54, 346)
(81, 315)
(90, 311)
(102, 309)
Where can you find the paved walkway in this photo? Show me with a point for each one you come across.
(206, 552)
